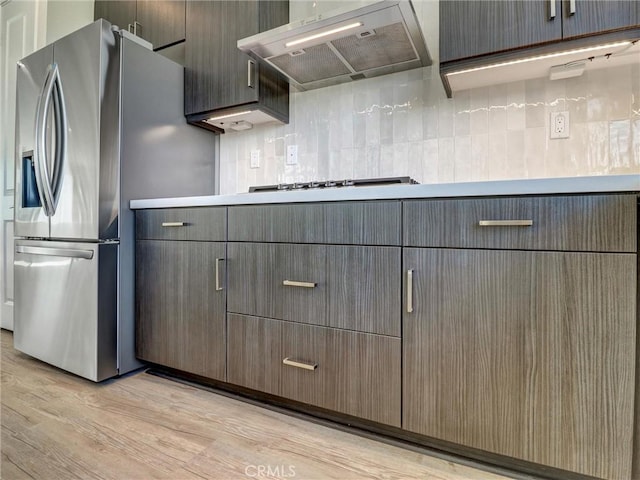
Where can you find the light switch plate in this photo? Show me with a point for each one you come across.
(292, 154)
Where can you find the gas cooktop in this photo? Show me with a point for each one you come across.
(367, 182)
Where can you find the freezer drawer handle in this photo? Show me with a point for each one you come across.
(56, 252)
(174, 224)
(505, 223)
(298, 364)
(293, 283)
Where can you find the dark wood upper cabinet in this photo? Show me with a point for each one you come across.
(221, 79)
(119, 12)
(471, 28)
(160, 22)
(596, 16)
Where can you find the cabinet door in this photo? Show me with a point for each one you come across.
(217, 73)
(597, 16)
(161, 22)
(525, 354)
(180, 316)
(469, 28)
(118, 12)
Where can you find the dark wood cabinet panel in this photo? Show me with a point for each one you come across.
(357, 374)
(495, 30)
(161, 22)
(293, 223)
(118, 12)
(257, 272)
(218, 76)
(363, 289)
(525, 354)
(216, 71)
(254, 349)
(348, 287)
(605, 223)
(180, 316)
(355, 223)
(470, 28)
(200, 223)
(363, 223)
(598, 16)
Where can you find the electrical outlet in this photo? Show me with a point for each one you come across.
(559, 125)
(255, 159)
(292, 154)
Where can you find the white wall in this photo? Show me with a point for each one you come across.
(66, 16)
(403, 124)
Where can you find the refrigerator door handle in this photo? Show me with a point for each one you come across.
(40, 137)
(45, 188)
(61, 140)
(56, 252)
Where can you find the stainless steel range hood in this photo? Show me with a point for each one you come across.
(344, 45)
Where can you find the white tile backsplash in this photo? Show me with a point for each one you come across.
(403, 124)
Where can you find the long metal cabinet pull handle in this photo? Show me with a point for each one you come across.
(292, 283)
(552, 9)
(409, 291)
(505, 223)
(130, 28)
(572, 7)
(250, 67)
(298, 364)
(218, 287)
(174, 224)
(135, 27)
(56, 252)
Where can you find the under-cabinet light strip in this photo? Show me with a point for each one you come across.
(541, 57)
(322, 34)
(213, 119)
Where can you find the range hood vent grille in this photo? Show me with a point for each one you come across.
(382, 37)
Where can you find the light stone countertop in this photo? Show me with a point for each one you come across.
(542, 186)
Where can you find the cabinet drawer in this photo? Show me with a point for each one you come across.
(257, 276)
(353, 373)
(202, 223)
(596, 223)
(363, 223)
(344, 286)
(254, 352)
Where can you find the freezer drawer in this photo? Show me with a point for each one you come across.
(65, 308)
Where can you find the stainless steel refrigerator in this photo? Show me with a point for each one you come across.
(99, 122)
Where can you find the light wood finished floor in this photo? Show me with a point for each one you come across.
(58, 426)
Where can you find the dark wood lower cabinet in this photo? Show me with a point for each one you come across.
(525, 354)
(254, 352)
(180, 314)
(348, 372)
